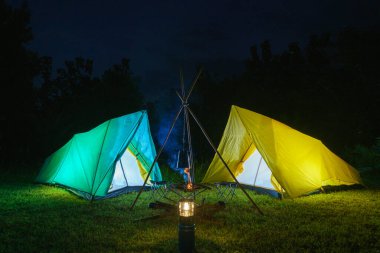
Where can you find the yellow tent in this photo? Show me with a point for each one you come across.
(264, 153)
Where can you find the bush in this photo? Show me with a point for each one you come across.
(364, 158)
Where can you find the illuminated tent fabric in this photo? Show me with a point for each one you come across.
(264, 153)
(111, 158)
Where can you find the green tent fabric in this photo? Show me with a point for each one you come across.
(118, 152)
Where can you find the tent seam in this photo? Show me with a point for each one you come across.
(81, 162)
(60, 166)
(246, 129)
(145, 164)
(144, 161)
(256, 146)
(136, 127)
(100, 153)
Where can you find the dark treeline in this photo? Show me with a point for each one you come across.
(329, 90)
(41, 110)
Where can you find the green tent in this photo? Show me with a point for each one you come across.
(110, 159)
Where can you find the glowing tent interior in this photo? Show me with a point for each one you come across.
(108, 160)
(267, 155)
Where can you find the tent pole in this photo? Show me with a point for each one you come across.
(190, 147)
(221, 158)
(187, 123)
(192, 85)
(122, 169)
(257, 172)
(157, 156)
(191, 162)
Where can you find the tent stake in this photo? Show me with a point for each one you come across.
(221, 158)
(157, 156)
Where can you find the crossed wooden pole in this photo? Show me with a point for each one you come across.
(185, 107)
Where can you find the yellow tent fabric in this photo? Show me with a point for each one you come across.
(299, 163)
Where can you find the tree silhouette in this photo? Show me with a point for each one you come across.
(18, 68)
(266, 52)
(75, 101)
(329, 90)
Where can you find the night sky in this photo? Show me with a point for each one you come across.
(160, 36)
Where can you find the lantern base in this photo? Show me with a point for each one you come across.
(186, 238)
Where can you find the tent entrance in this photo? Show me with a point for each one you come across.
(256, 172)
(127, 172)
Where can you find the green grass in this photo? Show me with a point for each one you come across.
(38, 218)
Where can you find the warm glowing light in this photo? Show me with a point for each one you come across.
(186, 226)
(189, 186)
(186, 208)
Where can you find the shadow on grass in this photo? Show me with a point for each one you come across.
(201, 245)
(339, 188)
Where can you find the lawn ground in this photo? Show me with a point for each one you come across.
(39, 218)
